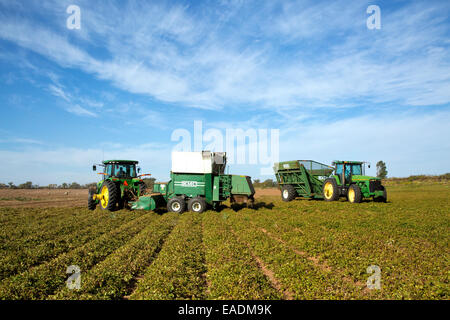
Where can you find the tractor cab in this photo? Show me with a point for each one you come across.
(346, 171)
(122, 169)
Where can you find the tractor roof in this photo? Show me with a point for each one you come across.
(121, 161)
(351, 162)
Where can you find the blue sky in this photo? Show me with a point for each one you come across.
(136, 71)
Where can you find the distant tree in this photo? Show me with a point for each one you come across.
(268, 183)
(92, 185)
(3, 186)
(26, 185)
(64, 185)
(75, 185)
(52, 186)
(381, 170)
(11, 185)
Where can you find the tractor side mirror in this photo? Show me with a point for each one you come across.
(139, 170)
(94, 168)
(368, 166)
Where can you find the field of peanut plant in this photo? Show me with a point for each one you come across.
(304, 249)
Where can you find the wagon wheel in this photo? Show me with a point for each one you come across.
(176, 204)
(288, 193)
(197, 204)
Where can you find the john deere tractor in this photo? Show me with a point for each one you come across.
(348, 180)
(120, 184)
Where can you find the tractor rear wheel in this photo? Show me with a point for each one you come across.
(330, 190)
(91, 202)
(109, 195)
(354, 194)
(196, 204)
(288, 193)
(176, 204)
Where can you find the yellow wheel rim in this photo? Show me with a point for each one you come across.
(351, 195)
(104, 197)
(328, 190)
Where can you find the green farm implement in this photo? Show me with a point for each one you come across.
(311, 179)
(197, 180)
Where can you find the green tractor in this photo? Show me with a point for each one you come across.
(349, 180)
(120, 185)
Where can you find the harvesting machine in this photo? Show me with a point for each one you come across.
(311, 179)
(197, 179)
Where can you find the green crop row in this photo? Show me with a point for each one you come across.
(45, 279)
(295, 272)
(112, 278)
(407, 238)
(17, 216)
(23, 256)
(178, 272)
(232, 271)
(37, 225)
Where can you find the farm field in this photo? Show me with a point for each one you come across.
(303, 249)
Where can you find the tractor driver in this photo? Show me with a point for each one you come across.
(121, 172)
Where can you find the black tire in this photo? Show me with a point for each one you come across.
(177, 205)
(357, 198)
(91, 202)
(197, 204)
(288, 193)
(120, 204)
(382, 198)
(251, 203)
(330, 193)
(113, 197)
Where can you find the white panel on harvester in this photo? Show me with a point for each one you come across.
(192, 162)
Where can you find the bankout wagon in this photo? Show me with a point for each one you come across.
(311, 179)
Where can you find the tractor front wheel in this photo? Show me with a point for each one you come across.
(109, 195)
(354, 194)
(176, 204)
(197, 205)
(383, 198)
(288, 193)
(330, 190)
(142, 188)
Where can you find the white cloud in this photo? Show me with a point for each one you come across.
(59, 92)
(21, 141)
(211, 60)
(80, 111)
(70, 105)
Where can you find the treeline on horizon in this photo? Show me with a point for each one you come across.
(257, 183)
